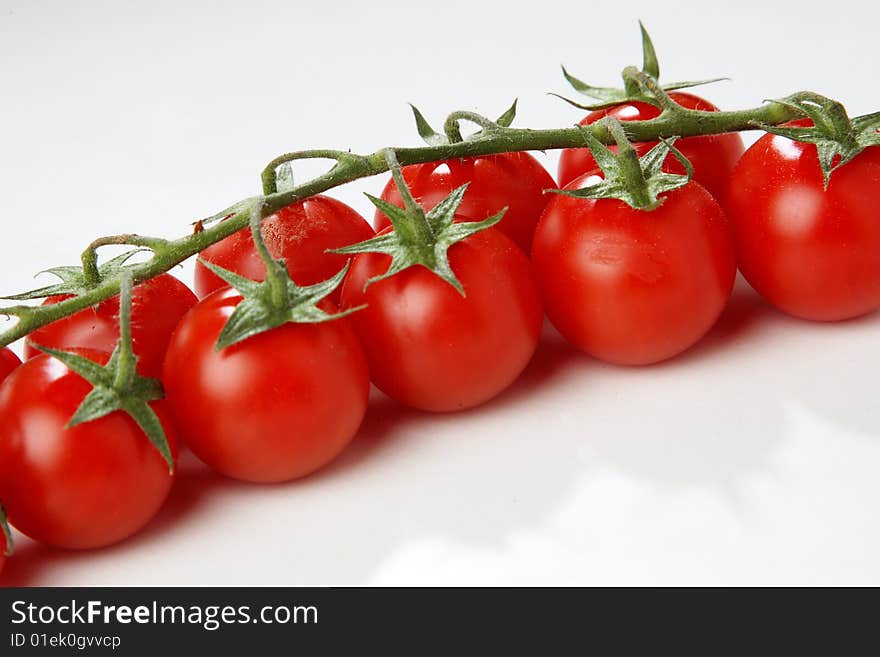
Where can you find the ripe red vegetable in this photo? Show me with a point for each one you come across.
(812, 252)
(630, 286)
(433, 349)
(85, 486)
(713, 157)
(300, 234)
(8, 362)
(274, 407)
(516, 181)
(157, 306)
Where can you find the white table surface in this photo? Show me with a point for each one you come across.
(752, 459)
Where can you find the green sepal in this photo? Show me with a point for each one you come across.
(650, 65)
(506, 119)
(72, 279)
(106, 397)
(4, 527)
(609, 96)
(433, 138)
(430, 136)
(284, 181)
(149, 422)
(258, 311)
(429, 250)
(834, 134)
(638, 182)
(99, 402)
(245, 286)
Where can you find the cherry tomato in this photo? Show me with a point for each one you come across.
(156, 307)
(513, 180)
(431, 348)
(8, 362)
(713, 157)
(813, 253)
(274, 407)
(629, 286)
(300, 233)
(79, 487)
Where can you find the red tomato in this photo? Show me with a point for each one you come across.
(8, 362)
(431, 348)
(274, 407)
(713, 157)
(513, 180)
(633, 287)
(813, 253)
(81, 487)
(156, 307)
(300, 233)
(3, 547)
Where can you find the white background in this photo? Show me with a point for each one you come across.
(753, 459)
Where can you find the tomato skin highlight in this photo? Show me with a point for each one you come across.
(432, 349)
(81, 487)
(811, 252)
(712, 157)
(300, 233)
(156, 307)
(8, 362)
(513, 180)
(632, 287)
(274, 407)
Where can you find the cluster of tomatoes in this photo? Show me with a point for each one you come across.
(624, 285)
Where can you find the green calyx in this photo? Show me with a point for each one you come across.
(631, 91)
(636, 181)
(74, 280)
(117, 386)
(838, 138)
(418, 237)
(452, 130)
(277, 300)
(4, 527)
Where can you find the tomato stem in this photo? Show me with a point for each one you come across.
(269, 176)
(127, 361)
(415, 231)
(630, 169)
(350, 167)
(452, 126)
(276, 273)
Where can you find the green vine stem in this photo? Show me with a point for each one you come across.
(672, 122)
(89, 257)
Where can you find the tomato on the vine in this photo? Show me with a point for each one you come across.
(157, 306)
(300, 233)
(431, 348)
(516, 181)
(84, 486)
(8, 362)
(631, 286)
(712, 156)
(812, 252)
(274, 407)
